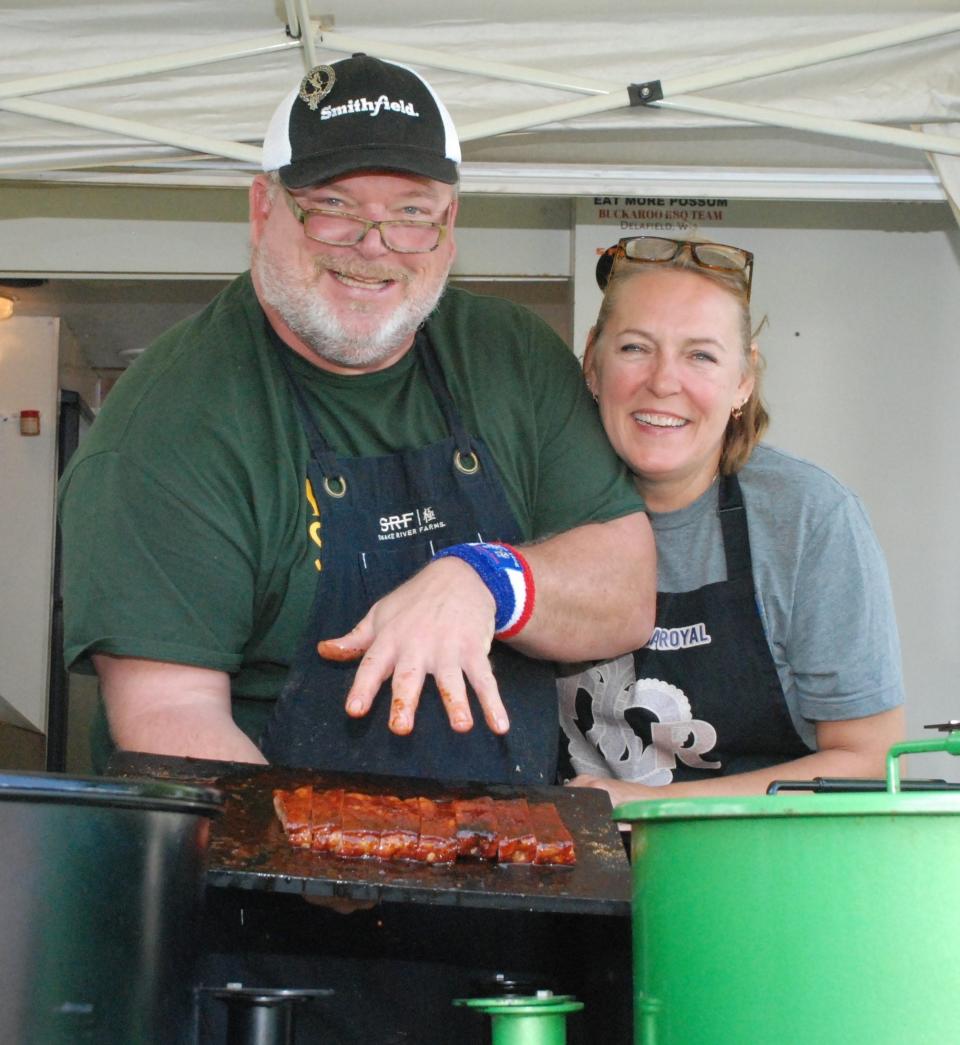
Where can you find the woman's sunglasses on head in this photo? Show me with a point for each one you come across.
(718, 257)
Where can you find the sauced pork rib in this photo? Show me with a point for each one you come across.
(384, 827)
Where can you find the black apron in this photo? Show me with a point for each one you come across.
(703, 698)
(381, 519)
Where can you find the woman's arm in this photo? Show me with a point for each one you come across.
(850, 748)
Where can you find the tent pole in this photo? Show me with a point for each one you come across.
(730, 74)
(306, 34)
(520, 121)
(801, 58)
(294, 29)
(334, 40)
(948, 171)
(605, 97)
(134, 129)
(807, 56)
(141, 66)
(868, 132)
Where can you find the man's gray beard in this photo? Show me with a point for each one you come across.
(303, 309)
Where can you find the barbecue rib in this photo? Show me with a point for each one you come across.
(383, 827)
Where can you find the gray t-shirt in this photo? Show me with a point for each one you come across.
(821, 582)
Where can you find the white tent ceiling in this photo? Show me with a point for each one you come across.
(181, 91)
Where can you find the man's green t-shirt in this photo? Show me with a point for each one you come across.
(189, 532)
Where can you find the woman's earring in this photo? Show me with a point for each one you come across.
(737, 412)
(593, 392)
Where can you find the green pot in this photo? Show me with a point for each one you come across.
(797, 918)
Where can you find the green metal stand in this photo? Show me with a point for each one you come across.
(536, 1020)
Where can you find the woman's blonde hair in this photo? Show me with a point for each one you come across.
(744, 432)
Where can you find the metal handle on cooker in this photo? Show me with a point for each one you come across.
(950, 744)
(844, 785)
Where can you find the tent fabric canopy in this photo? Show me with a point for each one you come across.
(171, 117)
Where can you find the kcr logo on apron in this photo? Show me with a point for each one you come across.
(616, 696)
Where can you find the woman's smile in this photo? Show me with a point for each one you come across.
(655, 420)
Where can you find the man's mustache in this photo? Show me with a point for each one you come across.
(323, 263)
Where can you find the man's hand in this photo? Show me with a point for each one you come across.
(595, 599)
(439, 623)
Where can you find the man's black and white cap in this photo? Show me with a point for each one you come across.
(360, 113)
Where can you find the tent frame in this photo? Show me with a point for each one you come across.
(601, 97)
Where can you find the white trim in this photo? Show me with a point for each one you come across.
(919, 186)
(527, 179)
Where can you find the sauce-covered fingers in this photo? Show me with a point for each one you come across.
(370, 675)
(480, 677)
(351, 646)
(335, 649)
(453, 694)
(405, 697)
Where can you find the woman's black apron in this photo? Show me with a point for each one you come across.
(381, 519)
(703, 698)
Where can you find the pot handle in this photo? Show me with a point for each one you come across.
(950, 744)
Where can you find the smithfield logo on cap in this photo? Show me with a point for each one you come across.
(358, 105)
(316, 85)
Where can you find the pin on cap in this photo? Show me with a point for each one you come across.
(361, 113)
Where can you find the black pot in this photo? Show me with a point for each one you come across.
(101, 887)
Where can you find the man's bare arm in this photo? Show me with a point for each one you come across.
(595, 599)
(596, 591)
(171, 709)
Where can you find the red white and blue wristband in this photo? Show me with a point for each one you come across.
(507, 574)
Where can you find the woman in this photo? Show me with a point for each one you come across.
(775, 654)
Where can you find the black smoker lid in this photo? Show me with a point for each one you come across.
(145, 794)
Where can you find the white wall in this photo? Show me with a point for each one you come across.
(867, 385)
(863, 352)
(29, 350)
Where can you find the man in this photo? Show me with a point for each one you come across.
(333, 450)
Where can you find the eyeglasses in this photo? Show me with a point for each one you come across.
(718, 257)
(347, 230)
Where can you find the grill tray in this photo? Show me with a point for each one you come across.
(248, 849)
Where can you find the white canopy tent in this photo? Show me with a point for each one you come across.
(751, 98)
